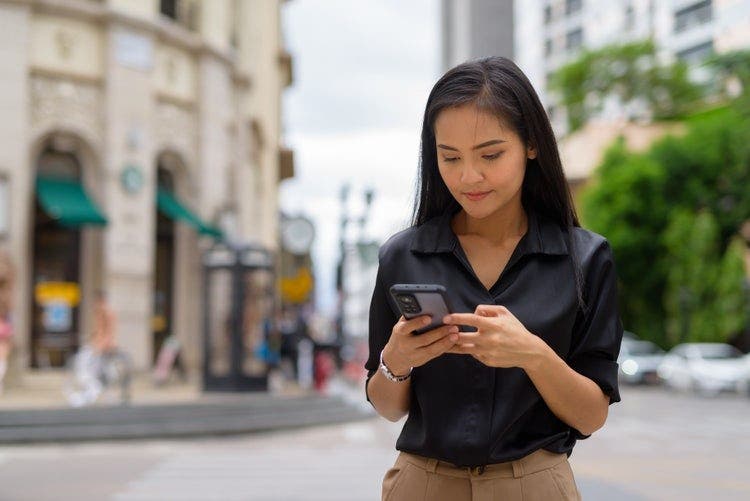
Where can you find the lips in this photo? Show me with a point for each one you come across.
(477, 195)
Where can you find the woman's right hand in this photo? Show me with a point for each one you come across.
(405, 350)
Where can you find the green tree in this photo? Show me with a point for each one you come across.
(732, 77)
(730, 293)
(670, 214)
(692, 247)
(630, 72)
(709, 168)
(626, 204)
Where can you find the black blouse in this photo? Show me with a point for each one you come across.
(463, 411)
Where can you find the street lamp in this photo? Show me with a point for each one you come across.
(345, 219)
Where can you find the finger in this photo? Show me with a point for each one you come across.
(462, 349)
(467, 319)
(470, 338)
(441, 345)
(433, 335)
(490, 310)
(409, 325)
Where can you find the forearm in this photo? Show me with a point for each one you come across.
(389, 398)
(575, 399)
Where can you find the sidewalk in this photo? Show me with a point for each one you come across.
(38, 411)
(44, 390)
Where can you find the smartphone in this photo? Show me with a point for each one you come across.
(415, 300)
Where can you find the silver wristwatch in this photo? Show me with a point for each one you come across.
(391, 376)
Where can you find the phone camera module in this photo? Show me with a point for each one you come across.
(409, 303)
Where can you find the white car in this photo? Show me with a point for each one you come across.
(707, 368)
(638, 361)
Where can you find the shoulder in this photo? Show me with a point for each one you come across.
(396, 245)
(592, 251)
(586, 242)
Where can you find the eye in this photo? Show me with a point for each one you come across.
(450, 159)
(492, 157)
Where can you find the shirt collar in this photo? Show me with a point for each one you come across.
(543, 236)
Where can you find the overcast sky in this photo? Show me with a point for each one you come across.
(362, 72)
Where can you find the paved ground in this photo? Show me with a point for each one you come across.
(656, 445)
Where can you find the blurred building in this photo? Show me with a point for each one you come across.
(475, 28)
(552, 32)
(360, 266)
(582, 151)
(134, 133)
(547, 34)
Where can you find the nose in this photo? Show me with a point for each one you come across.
(470, 174)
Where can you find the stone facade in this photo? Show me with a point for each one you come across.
(119, 86)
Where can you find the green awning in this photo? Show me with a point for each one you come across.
(65, 200)
(171, 207)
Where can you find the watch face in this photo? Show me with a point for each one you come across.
(132, 179)
(297, 235)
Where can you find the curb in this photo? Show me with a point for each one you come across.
(215, 415)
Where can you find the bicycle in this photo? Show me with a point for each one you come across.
(91, 374)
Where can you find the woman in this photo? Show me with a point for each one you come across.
(526, 364)
(6, 328)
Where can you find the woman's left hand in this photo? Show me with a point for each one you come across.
(501, 340)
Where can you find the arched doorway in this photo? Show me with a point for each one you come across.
(61, 208)
(162, 320)
(177, 265)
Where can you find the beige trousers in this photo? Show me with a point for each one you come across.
(542, 475)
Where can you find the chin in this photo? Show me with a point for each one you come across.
(480, 212)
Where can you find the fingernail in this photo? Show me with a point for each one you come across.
(447, 319)
(454, 337)
(426, 321)
(453, 329)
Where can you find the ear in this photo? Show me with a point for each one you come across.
(531, 152)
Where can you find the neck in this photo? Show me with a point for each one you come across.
(506, 223)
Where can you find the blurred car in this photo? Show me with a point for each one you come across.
(707, 368)
(638, 361)
(629, 335)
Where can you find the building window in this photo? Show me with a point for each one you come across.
(548, 47)
(694, 15)
(697, 53)
(551, 112)
(169, 8)
(234, 36)
(547, 14)
(549, 76)
(183, 12)
(629, 17)
(572, 6)
(574, 39)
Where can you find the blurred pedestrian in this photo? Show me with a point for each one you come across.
(6, 300)
(103, 337)
(99, 362)
(494, 407)
(293, 329)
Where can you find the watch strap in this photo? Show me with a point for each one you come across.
(390, 375)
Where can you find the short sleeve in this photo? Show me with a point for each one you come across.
(598, 332)
(382, 320)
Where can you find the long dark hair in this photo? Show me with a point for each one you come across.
(496, 85)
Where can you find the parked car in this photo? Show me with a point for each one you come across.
(707, 368)
(629, 335)
(638, 361)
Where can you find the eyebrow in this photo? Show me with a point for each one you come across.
(482, 145)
